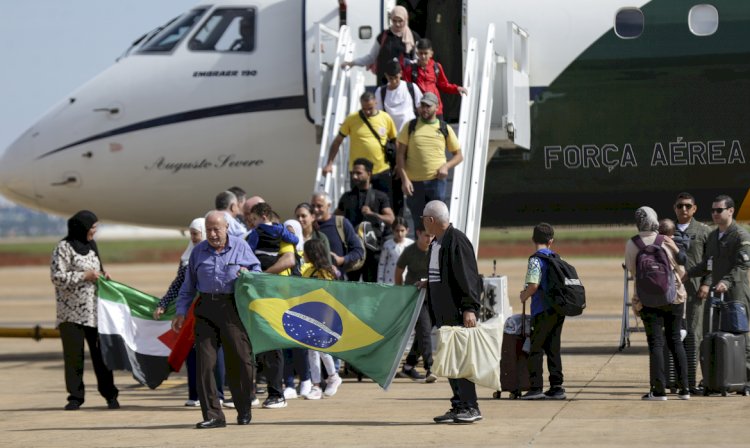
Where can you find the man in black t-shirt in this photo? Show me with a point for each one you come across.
(363, 203)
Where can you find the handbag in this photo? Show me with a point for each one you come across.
(389, 149)
(733, 317)
(471, 353)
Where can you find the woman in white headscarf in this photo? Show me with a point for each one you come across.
(658, 320)
(396, 43)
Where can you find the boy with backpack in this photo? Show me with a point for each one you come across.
(429, 75)
(650, 259)
(546, 320)
(398, 97)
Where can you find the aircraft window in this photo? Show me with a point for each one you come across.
(629, 23)
(228, 29)
(166, 40)
(703, 20)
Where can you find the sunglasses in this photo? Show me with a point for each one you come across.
(718, 210)
(685, 206)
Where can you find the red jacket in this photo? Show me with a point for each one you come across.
(428, 82)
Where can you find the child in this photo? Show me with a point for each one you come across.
(546, 322)
(429, 75)
(266, 238)
(399, 98)
(414, 261)
(318, 265)
(667, 228)
(392, 249)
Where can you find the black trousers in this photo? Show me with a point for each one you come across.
(422, 344)
(369, 270)
(546, 328)
(663, 326)
(273, 369)
(217, 322)
(464, 393)
(73, 336)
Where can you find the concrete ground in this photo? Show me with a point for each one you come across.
(604, 387)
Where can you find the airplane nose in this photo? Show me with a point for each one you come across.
(16, 173)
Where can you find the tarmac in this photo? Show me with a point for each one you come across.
(604, 388)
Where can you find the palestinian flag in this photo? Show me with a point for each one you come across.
(365, 324)
(129, 336)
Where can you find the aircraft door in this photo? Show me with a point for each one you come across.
(367, 19)
(443, 26)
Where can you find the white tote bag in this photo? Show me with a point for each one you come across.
(471, 353)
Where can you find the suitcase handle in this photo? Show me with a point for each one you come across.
(715, 303)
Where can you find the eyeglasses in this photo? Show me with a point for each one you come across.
(425, 216)
(685, 206)
(718, 210)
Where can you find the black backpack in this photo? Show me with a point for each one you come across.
(564, 291)
(415, 71)
(409, 86)
(443, 128)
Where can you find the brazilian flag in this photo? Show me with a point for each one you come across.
(365, 324)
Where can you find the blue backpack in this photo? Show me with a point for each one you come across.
(654, 277)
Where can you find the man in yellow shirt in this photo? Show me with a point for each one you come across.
(364, 143)
(420, 160)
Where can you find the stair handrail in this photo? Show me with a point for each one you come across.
(481, 143)
(466, 135)
(336, 107)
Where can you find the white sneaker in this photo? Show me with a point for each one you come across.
(332, 385)
(315, 394)
(290, 393)
(255, 403)
(305, 387)
(192, 403)
(226, 404)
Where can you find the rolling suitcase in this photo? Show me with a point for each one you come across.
(722, 357)
(514, 371)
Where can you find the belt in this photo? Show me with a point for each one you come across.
(216, 296)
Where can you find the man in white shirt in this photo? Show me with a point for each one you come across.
(399, 98)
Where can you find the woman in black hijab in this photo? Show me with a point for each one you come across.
(74, 270)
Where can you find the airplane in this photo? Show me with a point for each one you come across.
(624, 103)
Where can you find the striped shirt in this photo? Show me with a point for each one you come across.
(433, 271)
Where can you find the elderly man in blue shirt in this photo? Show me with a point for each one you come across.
(212, 270)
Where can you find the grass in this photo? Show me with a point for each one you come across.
(112, 251)
(160, 250)
(562, 233)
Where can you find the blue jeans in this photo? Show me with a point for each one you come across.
(295, 361)
(424, 192)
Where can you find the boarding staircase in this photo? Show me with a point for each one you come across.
(494, 114)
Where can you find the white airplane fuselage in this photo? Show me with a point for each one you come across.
(153, 139)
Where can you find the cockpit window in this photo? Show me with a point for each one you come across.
(168, 38)
(228, 29)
